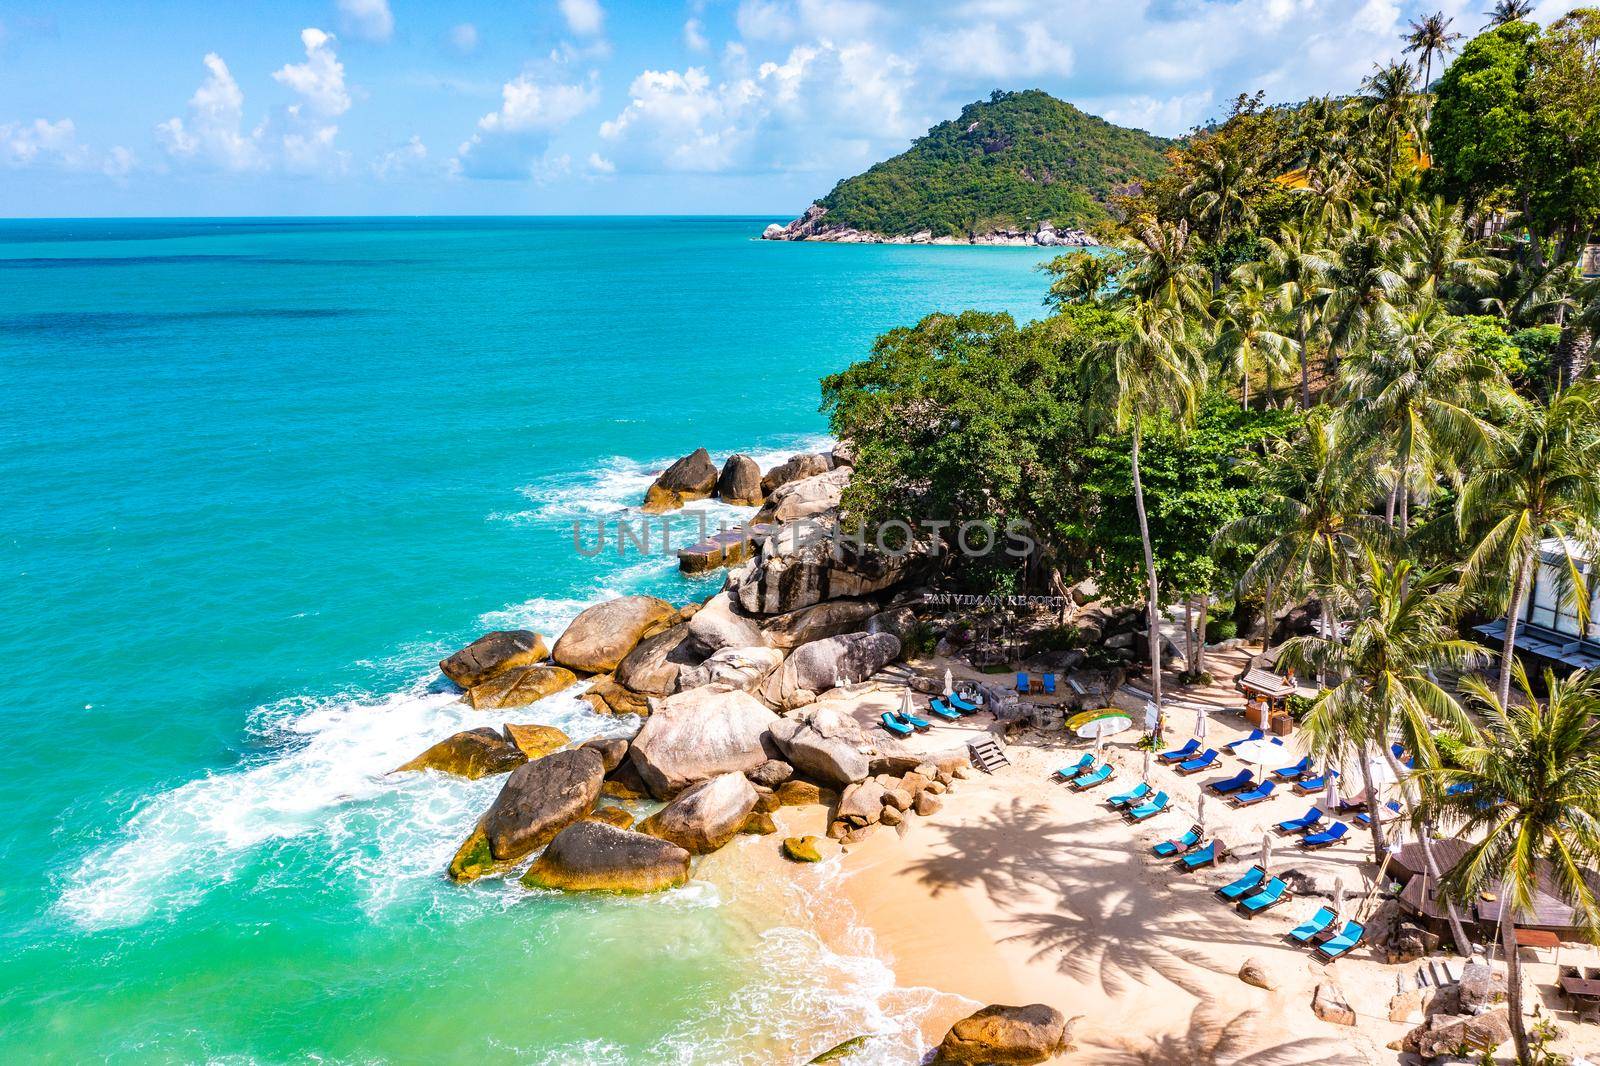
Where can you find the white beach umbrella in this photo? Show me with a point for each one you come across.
(1338, 899)
(905, 703)
(1330, 797)
(1147, 756)
(1263, 752)
(1201, 719)
(949, 684)
(1200, 812)
(1382, 773)
(1266, 851)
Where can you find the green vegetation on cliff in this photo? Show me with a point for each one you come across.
(1010, 162)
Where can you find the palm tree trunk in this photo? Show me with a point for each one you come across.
(1305, 366)
(1373, 806)
(1508, 650)
(1200, 636)
(1271, 621)
(1508, 944)
(1152, 608)
(1188, 633)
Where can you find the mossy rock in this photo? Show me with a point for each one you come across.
(759, 824)
(520, 687)
(591, 856)
(606, 696)
(536, 741)
(802, 849)
(798, 793)
(472, 754)
(841, 1052)
(473, 859)
(612, 816)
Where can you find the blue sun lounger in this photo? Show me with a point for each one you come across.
(1309, 820)
(1331, 835)
(1365, 819)
(1255, 734)
(1078, 784)
(1168, 848)
(1289, 773)
(1318, 923)
(1336, 946)
(1130, 797)
(1194, 766)
(1255, 795)
(1244, 886)
(1458, 788)
(894, 725)
(1232, 784)
(1157, 804)
(1400, 755)
(1307, 785)
(1022, 682)
(955, 700)
(1272, 893)
(1069, 772)
(938, 708)
(919, 724)
(1206, 856)
(1180, 754)
(1049, 684)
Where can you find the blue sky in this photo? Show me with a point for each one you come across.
(599, 106)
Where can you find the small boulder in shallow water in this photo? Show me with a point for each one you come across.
(473, 754)
(536, 741)
(494, 653)
(694, 477)
(519, 687)
(706, 816)
(590, 856)
(802, 849)
(538, 800)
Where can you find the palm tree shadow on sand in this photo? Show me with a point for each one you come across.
(1214, 1039)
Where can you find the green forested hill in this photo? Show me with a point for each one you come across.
(1010, 162)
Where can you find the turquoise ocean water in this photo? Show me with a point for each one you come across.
(256, 478)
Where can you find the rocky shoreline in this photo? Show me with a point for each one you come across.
(812, 226)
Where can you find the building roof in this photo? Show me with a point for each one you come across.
(1546, 643)
(1549, 910)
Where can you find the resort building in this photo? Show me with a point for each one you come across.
(1549, 629)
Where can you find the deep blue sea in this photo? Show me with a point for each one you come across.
(256, 477)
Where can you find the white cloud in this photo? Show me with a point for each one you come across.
(119, 162)
(514, 141)
(694, 36)
(600, 164)
(24, 144)
(369, 20)
(405, 160)
(584, 17)
(213, 131)
(1174, 113)
(766, 20)
(527, 104)
(320, 79)
(464, 37)
(991, 50)
(312, 151)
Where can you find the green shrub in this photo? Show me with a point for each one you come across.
(1220, 629)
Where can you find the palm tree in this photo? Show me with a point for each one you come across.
(1508, 11)
(1391, 110)
(1297, 266)
(1313, 519)
(1402, 632)
(1366, 280)
(1431, 36)
(1415, 396)
(1539, 481)
(1249, 333)
(1531, 801)
(1163, 268)
(1151, 371)
(1216, 197)
(1081, 277)
(1434, 234)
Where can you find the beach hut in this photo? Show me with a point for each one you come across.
(1267, 695)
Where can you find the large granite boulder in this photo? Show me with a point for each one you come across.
(798, 567)
(473, 754)
(740, 481)
(695, 735)
(806, 498)
(600, 637)
(794, 468)
(705, 816)
(825, 743)
(1328, 1002)
(719, 624)
(1444, 1033)
(494, 653)
(820, 620)
(862, 803)
(652, 667)
(824, 664)
(536, 741)
(519, 687)
(733, 667)
(538, 800)
(693, 477)
(1001, 1034)
(592, 856)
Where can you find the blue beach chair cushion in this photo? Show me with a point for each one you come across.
(1244, 885)
(894, 725)
(1255, 734)
(1049, 684)
(1204, 857)
(1318, 922)
(1076, 768)
(1168, 848)
(1342, 942)
(1194, 766)
(1301, 824)
(1271, 894)
(1232, 784)
(938, 708)
(955, 700)
(1331, 835)
(1289, 773)
(1180, 754)
(1393, 807)
(1022, 683)
(1091, 780)
(1133, 795)
(1157, 804)
(1255, 795)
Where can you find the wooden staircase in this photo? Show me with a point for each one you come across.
(986, 755)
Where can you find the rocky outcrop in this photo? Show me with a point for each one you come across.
(824, 743)
(820, 620)
(473, 754)
(797, 793)
(608, 697)
(705, 816)
(740, 481)
(743, 668)
(1002, 1034)
(538, 800)
(519, 687)
(600, 637)
(797, 568)
(695, 735)
(1443, 1034)
(494, 653)
(770, 774)
(794, 468)
(694, 477)
(805, 498)
(812, 226)
(824, 664)
(719, 624)
(591, 856)
(536, 741)
(652, 667)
